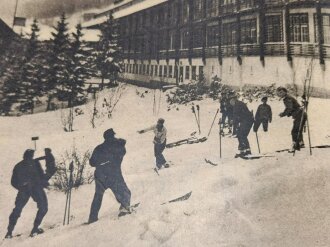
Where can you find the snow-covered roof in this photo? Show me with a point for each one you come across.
(124, 12)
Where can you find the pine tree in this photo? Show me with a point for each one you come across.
(108, 59)
(57, 70)
(12, 89)
(79, 68)
(32, 78)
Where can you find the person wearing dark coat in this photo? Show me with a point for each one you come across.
(263, 115)
(30, 180)
(107, 158)
(244, 120)
(227, 113)
(294, 110)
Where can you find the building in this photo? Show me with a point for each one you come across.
(244, 42)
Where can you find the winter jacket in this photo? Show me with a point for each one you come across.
(264, 112)
(28, 174)
(241, 113)
(226, 107)
(110, 154)
(292, 107)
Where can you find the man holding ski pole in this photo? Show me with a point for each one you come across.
(159, 142)
(107, 158)
(30, 180)
(294, 110)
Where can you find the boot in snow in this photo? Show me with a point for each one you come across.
(9, 235)
(36, 231)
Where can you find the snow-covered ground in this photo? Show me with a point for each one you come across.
(276, 201)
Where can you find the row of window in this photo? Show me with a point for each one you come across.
(298, 24)
(169, 71)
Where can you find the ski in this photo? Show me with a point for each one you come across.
(254, 156)
(210, 162)
(181, 198)
(190, 140)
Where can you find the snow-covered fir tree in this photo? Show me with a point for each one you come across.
(108, 59)
(58, 73)
(79, 67)
(32, 76)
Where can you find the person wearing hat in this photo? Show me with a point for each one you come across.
(294, 110)
(159, 142)
(244, 120)
(30, 180)
(263, 115)
(107, 158)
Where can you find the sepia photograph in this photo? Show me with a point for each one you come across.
(164, 123)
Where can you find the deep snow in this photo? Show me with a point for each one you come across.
(279, 201)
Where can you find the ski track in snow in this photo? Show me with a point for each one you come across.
(275, 201)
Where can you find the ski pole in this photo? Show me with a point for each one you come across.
(193, 110)
(70, 189)
(220, 136)
(199, 120)
(258, 142)
(213, 122)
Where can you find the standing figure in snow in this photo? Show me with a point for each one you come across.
(244, 120)
(159, 142)
(294, 110)
(227, 113)
(263, 115)
(30, 180)
(107, 158)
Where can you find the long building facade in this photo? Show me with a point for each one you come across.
(243, 42)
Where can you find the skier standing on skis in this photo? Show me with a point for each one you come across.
(244, 120)
(107, 158)
(30, 180)
(263, 115)
(294, 110)
(159, 142)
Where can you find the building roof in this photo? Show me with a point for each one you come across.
(130, 9)
(6, 32)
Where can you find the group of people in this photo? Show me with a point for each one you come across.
(30, 179)
(241, 119)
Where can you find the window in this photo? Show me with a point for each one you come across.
(229, 33)
(212, 33)
(193, 72)
(165, 70)
(249, 31)
(212, 7)
(187, 75)
(147, 72)
(156, 70)
(160, 70)
(299, 28)
(198, 37)
(200, 70)
(273, 28)
(172, 40)
(181, 74)
(185, 11)
(198, 9)
(151, 70)
(170, 71)
(326, 28)
(184, 39)
(144, 69)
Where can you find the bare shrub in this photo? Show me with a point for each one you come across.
(81, 173)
